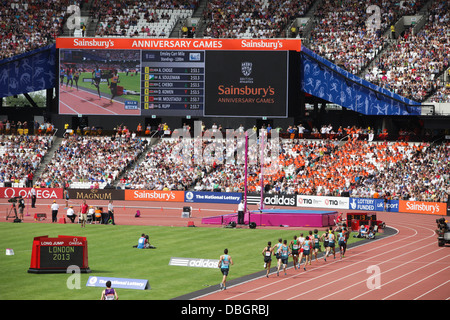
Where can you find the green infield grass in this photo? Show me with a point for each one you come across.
(111, 254)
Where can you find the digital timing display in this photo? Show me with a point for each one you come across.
(172, 80)
(61, 256)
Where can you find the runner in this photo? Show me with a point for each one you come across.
(295, 245)
(76, 76)
(301, 239)
(69, 77)
(311, 250)
(267, 253)
(306, 245)
(331, 244)
(97, 73)
(224, 265)
(316, 243)
(113, 85)
(109, 293)
(342, 241)
(277, 254)
(284, 251)
(324, 238)
(62, 74)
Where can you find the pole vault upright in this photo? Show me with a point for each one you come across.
(262, 140)
(245, 172)
(262, 146)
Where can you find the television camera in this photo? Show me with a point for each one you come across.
(13, 211)
(443, 231)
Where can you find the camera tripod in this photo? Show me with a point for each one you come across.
(12, 213)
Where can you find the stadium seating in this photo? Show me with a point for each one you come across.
(90, 162)
(25, 26)
(412, 65)
(251, 19)
(315, 167)
(20, 156)
(147, 19)
(344, 36)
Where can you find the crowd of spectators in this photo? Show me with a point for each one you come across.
(131, 18)
(350, 35)
(322, 166)
(20, 157)
(161, 169)
(251, 19)
(412, 65)
(359, 167)
(93, 161)
(29, 25)
(442, 95)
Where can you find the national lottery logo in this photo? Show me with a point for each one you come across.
(189, 195)
(246, 68)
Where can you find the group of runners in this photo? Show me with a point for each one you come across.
(302, 249)
(73, 74)
(299, 248)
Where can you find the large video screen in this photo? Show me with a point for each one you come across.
(236, 78)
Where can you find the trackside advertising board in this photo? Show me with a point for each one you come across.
(275, 200)
(41, 193)
(322, 202)
(366, 204)
(434, 208)
(212, 197)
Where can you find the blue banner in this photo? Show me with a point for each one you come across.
(212, 197)
(139, 284)
(28, 72)
(366, 204)
(323, 79)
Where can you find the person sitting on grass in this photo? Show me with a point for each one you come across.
(144, 243)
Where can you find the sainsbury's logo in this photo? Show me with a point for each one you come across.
(93, 43)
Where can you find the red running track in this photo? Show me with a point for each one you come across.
(73, 101)
(411, 267)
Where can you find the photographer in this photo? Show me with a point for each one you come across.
(442, 224)
(21, 206)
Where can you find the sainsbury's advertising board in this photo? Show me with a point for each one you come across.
(178, 77)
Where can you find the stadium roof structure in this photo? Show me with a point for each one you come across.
(325, 80)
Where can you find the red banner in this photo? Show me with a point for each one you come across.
(179, 44)
(154, 195)
(436, 208)
(41, 193)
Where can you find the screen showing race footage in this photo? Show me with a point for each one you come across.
(173, 82)
(99, 82)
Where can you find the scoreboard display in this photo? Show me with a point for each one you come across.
(177, 77)
(172, 80)
(56, 255)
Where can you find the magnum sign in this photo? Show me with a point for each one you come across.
(97, 194)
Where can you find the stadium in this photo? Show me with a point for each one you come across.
(215, 127)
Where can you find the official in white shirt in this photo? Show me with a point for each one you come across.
(55, 208)
(71, 214)
(241, 209)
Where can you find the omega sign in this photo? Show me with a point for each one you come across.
(41, 193)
